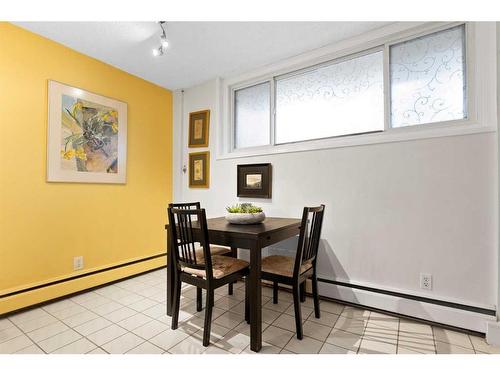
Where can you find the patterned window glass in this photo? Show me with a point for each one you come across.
(334, 99)
(252, 116)
(427, 77)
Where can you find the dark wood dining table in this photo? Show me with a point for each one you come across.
(253, 237)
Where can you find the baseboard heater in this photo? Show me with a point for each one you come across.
(453, 305)
(79, 276)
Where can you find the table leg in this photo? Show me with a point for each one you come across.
(255, 299)
(170, 277)
(234, 254)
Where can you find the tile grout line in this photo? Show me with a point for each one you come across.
(450, 343)
(127, 331)
(295, 332)
(364, 330)
(26, 333)
(145, 341)
(99, 316)
(434, 339)
(397, 341)
(200, 317)
(57, 320)
(326, 338)
(472, 344)
(190, 335)
(69, 328)
(29, 338)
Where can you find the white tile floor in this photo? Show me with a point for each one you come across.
(130, 317)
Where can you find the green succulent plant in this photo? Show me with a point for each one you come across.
(243, 208)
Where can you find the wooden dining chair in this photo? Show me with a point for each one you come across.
(295, 272)
(201, 269)
(214, 249)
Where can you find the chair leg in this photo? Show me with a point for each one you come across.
(298, 314)
(303, 292)
(198, 299)
(176, 303)
(247, 301)
(317, 313)
(208, 317)
(275, 292)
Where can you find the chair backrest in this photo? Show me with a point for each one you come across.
(310, 234)
(187, 206)
(186, 228)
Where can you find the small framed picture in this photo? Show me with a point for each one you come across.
(199, 169)
(254, 180)
(199, 123)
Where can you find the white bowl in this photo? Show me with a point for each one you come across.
(237, 218)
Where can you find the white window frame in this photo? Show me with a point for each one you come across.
(313, 67)
(480, 75)
(470, 107)
(271, 112)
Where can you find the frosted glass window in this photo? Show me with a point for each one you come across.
(340, 98)
(428, 79)
(252, 116)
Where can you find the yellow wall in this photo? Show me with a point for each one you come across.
(44, 225)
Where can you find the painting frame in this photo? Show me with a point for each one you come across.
(57, 170)
(254, 180)
(204, 163)
(199, 128)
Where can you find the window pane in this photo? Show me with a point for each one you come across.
(252, 116)
(340, 98)
(427, 79)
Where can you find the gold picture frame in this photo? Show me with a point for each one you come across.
(199, 169)
(199, 124)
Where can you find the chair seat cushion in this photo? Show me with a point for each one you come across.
(282, 265)
(221, 266)
(214, 250)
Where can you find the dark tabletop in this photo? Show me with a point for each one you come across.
(268, 226)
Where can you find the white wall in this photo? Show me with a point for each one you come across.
(393, 210)
(498, 162)
(493, 329)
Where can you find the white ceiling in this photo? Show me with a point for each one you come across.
(198, 51)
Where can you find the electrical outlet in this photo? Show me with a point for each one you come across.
(426, 281)
(78, 263)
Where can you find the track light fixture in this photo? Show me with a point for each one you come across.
(163, 41)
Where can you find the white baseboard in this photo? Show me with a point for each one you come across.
(435, 313)
(493, 333)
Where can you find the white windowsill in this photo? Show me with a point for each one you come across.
(391, 135)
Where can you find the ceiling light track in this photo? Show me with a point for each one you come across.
(163, 40)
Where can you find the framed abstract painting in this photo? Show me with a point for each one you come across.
(87, 136)
(199, 169)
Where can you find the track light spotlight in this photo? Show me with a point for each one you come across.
(157, 52)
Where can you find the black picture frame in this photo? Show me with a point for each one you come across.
(254, 180)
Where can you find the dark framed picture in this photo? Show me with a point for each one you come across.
(199, 123)
(255, 180)
(199, 169)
